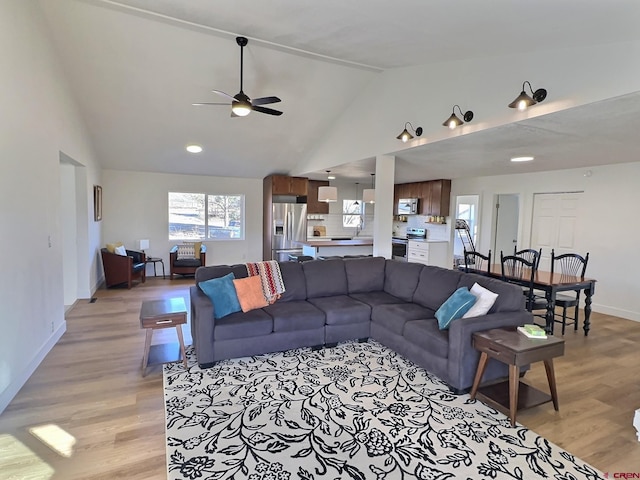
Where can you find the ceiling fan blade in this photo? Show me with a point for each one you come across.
(264, 100)
(268, 111)
(219, 92)
(208, 103)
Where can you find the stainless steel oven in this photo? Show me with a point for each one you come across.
(399, 248)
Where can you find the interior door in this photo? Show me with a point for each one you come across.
(507, 217)
(553, 226)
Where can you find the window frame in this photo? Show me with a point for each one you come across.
(203, 213)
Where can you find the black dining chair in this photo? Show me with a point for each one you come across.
(533, 256)
(475, 262)
(572, 265)
(522, 272)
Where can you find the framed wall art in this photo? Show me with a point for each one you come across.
(97, 203)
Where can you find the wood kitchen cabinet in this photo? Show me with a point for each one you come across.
(313, 205)
(434, 196)
(285, 185)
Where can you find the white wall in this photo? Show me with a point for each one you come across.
(39, 121)
(608, 228)
(135, 206)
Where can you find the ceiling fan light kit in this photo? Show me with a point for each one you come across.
(453, 121)
(405, 136)
(241, 104)
(523, 101)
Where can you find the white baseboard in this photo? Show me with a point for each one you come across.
(616, 312)
(21, 378)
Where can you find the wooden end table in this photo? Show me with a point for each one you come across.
(515, 349)
(166, 313)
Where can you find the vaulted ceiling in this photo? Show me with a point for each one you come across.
(136, 66)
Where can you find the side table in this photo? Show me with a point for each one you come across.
(515, 349)
(157, 314)
(155, 260)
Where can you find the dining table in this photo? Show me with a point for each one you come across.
(551, 283)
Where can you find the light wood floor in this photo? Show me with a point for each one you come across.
(90, 391)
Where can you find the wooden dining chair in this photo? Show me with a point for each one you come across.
(475, 262)
(572, 265)
(518, 270)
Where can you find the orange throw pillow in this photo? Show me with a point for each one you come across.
(249, 292)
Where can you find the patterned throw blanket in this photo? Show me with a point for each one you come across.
(270, 276)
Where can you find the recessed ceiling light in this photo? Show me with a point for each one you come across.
(194, 148)
(521, 159)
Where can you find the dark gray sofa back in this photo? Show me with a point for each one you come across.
(207, 273)
(294, 282)
(401, 278)
(435, 285)
(510, 297)
(365, 274)
(325, 278)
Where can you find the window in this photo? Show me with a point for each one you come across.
(223, 219)
(351, 213)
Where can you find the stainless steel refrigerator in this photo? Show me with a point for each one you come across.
(289, 227)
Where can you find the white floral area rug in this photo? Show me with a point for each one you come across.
(356, 411)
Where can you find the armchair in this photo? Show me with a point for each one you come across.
(119, 269)
(180, 265)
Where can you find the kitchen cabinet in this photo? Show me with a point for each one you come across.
(285, 185)
(428, 253)
(313, 205)
(434, 196)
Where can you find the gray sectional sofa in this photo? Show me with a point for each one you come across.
(329, 301)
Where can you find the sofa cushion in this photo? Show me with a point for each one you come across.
(206, 273)
(376, 298)
(484, 301)
(365, 274)
(401, 278)
(435, 285)
(186, 251)
(459, 303)
(394, 316)
(507, 300)
(294, 282)
(342, 310)
(427, 335)
(249, 292)
(325, 278)
(222, 294)
(295, 315)
(255, 323)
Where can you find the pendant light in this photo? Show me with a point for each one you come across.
(328, 194)
(356, 202)
(369, 194)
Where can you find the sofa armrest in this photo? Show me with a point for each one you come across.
(461, 343)
(202, 325)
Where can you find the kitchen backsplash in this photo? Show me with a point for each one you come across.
(333, 226)
(435, 231)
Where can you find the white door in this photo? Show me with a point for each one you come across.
(507, 217)
(554, 223)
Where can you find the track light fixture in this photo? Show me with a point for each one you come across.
(453, 121)
(523, 100)
(405, 136)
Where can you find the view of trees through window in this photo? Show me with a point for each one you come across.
(352, 213)
(223, 219)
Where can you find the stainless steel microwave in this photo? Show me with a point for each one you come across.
(408, 206)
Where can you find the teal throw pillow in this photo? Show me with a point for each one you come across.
(455, 307)
(223, 295)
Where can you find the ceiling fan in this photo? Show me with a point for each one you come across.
(241, 104)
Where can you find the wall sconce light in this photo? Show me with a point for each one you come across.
(523, 100)
(369, 194)
(453, 121)
(405, 136)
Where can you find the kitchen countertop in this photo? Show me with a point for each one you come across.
(337, 243)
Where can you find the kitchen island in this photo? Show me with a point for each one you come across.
(329, 248)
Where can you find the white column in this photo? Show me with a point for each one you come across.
(383, 222)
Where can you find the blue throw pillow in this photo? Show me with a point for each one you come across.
(223, 295)
(455, 307)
